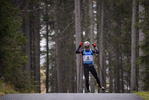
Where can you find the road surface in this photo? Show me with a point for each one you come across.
(72, 96)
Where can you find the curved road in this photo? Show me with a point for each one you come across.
(72, 96)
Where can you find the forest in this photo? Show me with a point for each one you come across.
(43, 35)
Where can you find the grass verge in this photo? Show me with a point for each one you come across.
(144, 95)
(6, 89)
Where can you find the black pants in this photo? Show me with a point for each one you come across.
(91, 68)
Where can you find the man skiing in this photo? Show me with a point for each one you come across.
(88, 63)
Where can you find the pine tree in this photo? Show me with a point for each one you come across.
(78, 40)
(133, 47)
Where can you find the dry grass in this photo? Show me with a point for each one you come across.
(144, 95)
(42, 80)
(6, 89)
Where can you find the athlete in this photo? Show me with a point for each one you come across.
(88, 63)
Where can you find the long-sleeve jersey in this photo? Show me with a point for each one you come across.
(87, 55)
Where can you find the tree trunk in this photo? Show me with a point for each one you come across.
(26, 31)
(78, 40)
(27, 34)
(71, 67)
(118, 53)
(47, 49)
(110, 74)
(98, 35)
(91, 38)
(133, 47)
(141, 39)
(117, 71)
(122, 71)
(37, 51)
(35, 45)
(101, 48)
(57, 47)
(47, 64)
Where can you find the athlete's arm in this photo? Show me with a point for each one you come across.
(95, 49)
(78, 51)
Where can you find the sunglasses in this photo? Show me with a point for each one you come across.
(86, 46)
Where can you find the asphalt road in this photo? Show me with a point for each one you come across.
(72, 96)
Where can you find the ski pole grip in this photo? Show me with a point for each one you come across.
(81, 44)
(94, 44)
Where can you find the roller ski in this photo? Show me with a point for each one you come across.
(102, 88)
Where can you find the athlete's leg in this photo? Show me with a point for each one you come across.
(86, 73)
(94, 73)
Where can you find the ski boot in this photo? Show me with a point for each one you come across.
(101, 87)
(88, 91)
